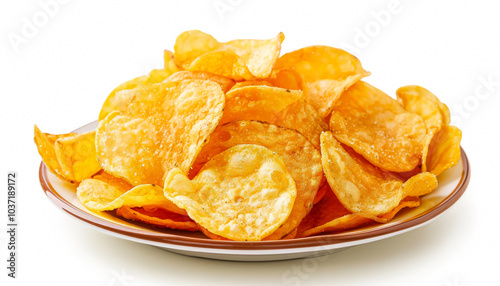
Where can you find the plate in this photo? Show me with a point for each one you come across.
(452, 184)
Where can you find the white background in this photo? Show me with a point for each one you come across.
(60, 74)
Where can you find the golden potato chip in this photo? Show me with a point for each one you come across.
(164, 127)
(237, 59)
(326, 73)
(378, 128)
(278, 106)
(121, 186)
(330, 215)
(158, 216)
(98, 195)
(301, 158)
(363, 188)
(243, 193)
(45, 144)
(444, 150)
(224, 82)
(421, 101)
(77, 156)
(123, 94)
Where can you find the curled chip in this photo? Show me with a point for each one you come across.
(77, 156)
(164, 127)
(326, 72)
(378, 128)
(301, 158)
(278, 106)
(363, 188)
(444, 150)
(71, 157)
(224, 82)
(123, 94)
(99, 195)
(244, 193)
(237, 59)
(329, 215)
(45, 144)
(158, 216)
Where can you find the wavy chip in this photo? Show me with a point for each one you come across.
(363, 188)
(237, 59)
(158, 216)
(278, 106)
(444, 150)
(163, 128)
(301, 158)
(378, 128)
(244, 193)
(326, 73)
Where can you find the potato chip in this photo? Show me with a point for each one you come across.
(444, 150)
(77, 156)
(378, 128)
(363, 188)
(224, 82)
(158, 216)
(301, 158)
(164, 127)
(98, 195)
(326, 73)
(244, 193)
(237, 59)
(45, 144)
(331, 216)
(277, 106)
(123, 94)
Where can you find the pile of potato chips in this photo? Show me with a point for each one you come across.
(237, 142)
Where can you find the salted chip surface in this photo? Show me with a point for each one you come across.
(444, 150)
(158, 216)
(236, 59)
(378, 128)
(224, 82)
(163, 128)
(77, 156)
(326, 73)
(244, 193)
(301, 158)
(363, 188)
(278, 106)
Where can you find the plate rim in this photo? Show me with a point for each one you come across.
(335, 240)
